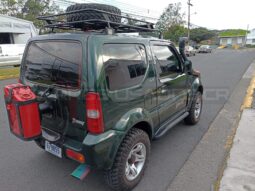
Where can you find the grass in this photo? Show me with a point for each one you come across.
(6, 73)
(233, 32)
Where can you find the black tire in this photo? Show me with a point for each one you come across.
(86, 15)
(193, 118)
(116, 177)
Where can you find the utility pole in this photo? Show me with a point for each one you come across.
(189, 5)
(245, 41)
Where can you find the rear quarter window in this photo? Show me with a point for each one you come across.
(124, 65)
(54, 62)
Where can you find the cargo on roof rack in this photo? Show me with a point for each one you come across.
(97, 18)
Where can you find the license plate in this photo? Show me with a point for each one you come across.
(53, 149)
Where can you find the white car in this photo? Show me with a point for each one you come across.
(11, 54)
(190, 51)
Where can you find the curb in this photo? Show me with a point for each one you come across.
(248, 105)
(9, 77)
(9, 73)
(248, 101)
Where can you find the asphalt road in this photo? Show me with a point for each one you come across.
(24, 166)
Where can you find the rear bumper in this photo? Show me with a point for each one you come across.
(99, 150)
(204, 51)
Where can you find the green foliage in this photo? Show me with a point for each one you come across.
(201, 34)
(250, 46)
(11, 7)
(174, 32)
(233, 32)
(171, 16)
(28, 9)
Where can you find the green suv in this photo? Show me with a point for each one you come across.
(104, 96)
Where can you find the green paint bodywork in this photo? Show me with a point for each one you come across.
(145, 103)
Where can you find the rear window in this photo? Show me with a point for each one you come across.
(54, 63)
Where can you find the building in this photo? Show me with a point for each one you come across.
(251, 37)
(232, 40)
(15, 31)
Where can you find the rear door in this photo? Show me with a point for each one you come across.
(53, 69)
(171, 89)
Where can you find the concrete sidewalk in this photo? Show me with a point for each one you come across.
(239, 174)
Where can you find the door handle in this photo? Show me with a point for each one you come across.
(165, 80)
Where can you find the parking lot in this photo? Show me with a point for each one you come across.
(24, 166)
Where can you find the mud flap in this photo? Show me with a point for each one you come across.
(81, 171)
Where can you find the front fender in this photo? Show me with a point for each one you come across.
(196, 86)
(133, 117)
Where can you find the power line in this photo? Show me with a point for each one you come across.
(127, 9)
(130, 9)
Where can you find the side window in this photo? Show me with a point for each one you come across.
(124, 65)
(167, 62)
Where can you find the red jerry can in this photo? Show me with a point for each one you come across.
(23, 111)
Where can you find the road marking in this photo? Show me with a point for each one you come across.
(249, 95)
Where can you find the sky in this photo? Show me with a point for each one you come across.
(212, 14)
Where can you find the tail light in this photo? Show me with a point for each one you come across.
(95, 122)
(75, 155)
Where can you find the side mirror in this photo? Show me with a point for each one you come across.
(182, 42)
(188, 66)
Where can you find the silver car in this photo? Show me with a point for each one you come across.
(205, 49)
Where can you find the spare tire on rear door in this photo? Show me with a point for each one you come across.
(87, 15)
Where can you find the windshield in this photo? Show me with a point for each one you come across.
(204, 46)
(54, 62)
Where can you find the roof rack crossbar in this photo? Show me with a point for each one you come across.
(117, 26)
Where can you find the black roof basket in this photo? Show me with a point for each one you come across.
(58, 21)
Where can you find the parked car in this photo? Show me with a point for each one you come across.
(205, 49)
(11, 54)
(102, 98)
(190, 51)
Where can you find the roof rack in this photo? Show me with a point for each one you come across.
(59, 21)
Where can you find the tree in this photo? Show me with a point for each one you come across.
(171, 16)
(28, 9)
(11, 7)
(175, 32)
(200, 34)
